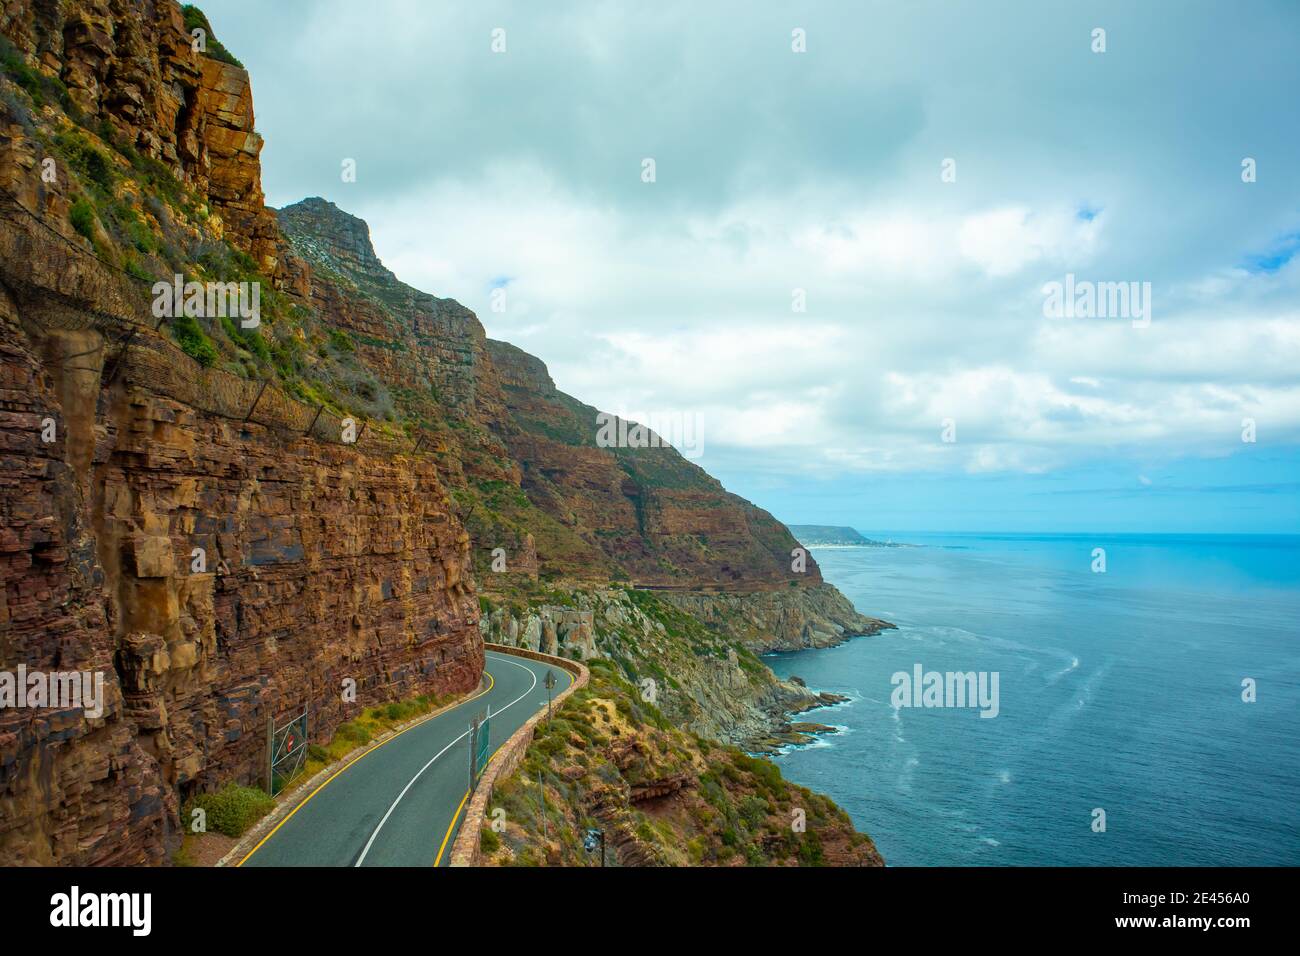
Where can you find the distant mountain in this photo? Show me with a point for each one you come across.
(816, 535)
(822, 535)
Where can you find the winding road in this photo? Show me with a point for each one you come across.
(400, 802)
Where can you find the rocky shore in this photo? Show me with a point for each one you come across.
(703, 678)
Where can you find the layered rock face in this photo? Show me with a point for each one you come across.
(132, 64)
(320, 564)
(646, 515)
(663, 522)
(214, 566)
(71, 788)
(658, 518)
(434, 349)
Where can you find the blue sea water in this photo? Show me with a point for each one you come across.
(1119, 690)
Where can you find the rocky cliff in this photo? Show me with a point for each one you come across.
(703, 679)
(129, 69)
(531, 479)
(231, 523)
(788, 619)
(169, 522)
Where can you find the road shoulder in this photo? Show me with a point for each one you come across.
(288, 803)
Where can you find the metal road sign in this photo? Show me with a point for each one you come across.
(288, 750)
(480, 733)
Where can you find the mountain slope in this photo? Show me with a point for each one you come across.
(233, 523)
(527, 470)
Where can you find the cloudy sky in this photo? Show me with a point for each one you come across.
(915, 179)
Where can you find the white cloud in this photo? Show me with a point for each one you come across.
(821, 173)
(1004, 241)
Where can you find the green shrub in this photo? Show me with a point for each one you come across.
(318, 753)
(87, 160)
(230, 810)
(397, 711)
(136, 270)
(488, 841)
(82, 217)
(141, 236)
(41, 88)
(810, 850)
(196, 19)
(249, 339)
(194, 342)
(753, 810)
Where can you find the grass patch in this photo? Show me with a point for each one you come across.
(193, 341)
(82, 217)
(368, 726)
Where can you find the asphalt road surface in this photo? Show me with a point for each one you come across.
(400, 803)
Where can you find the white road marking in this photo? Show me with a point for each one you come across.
(361, 859)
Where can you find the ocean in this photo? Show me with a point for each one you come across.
(1119, 692)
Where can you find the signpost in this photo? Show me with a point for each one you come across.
(549, 683)
(287, 749)
(479, 734)
(589, 842)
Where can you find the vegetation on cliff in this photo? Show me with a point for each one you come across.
(613, 762)
(700, 678)
(196, 19)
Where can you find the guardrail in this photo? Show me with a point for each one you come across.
(465, 851)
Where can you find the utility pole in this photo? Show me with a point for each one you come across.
(270, 755)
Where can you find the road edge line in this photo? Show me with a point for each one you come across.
(371, 749)
(465, 849)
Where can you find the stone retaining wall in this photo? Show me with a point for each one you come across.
(465, 851)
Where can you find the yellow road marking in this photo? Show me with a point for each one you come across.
(325, 783)
(456, 816)
(450, 826)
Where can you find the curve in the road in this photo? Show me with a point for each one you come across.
(410, 787)
(369, 843)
